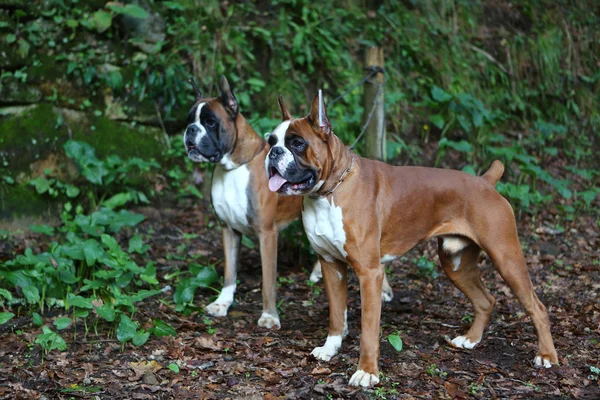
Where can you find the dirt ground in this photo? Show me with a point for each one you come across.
(232, 358)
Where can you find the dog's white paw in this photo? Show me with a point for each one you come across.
(217, 309)
(387, 295)
(329, 349)
(316, 273)
(364, 379)
(462, 342)
(269, 321)
(542, 362)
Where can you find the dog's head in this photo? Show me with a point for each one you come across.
(211, 130)
(299, 160)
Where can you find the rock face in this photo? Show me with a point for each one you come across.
(31, 139)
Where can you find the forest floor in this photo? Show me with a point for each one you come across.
(232, 358)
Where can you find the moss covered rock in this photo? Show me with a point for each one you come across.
(31, 139)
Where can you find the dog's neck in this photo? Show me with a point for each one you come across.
(338, 166)
(248, 144)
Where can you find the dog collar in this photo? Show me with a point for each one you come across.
(327, 193)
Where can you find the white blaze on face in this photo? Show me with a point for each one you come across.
(283, 160)
(201, 129)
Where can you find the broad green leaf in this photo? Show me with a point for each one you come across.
(79, 301)
(126, 329)
(469, 170)
(184, 292)
(440, 94)
(92, 251)
(103, 20)
(140, 338)
(396, 341)
(45, 229)
(72, 191)
(246, 241)
(107, 312)
(206, 277)
(437, 120)
(5, 317)
(37, 319)
(62, 323)
(111, 243)
(80, 313)
(149, 274)
(117, 200)
(50, 340)
(136, 243)
(161, 328)
(42, 185)
(174, 367)
(133, 10)
(8, 295)
(462, 146)
(31, 293)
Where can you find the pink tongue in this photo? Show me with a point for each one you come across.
(276, 182)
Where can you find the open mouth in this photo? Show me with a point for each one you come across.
(278, 183)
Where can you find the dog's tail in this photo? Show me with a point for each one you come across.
(495, 172)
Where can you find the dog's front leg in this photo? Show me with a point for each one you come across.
(268, 254)
(370, 280)
(231, 248)
(335, 277)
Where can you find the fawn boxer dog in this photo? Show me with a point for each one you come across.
(361, 212)
(218, 133)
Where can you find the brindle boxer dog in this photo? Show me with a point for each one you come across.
(359, 212)
(218, 133)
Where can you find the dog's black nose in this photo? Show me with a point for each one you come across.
(192, 130)
(215, 157)
(275, 151)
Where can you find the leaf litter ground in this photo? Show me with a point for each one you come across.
(233, 358)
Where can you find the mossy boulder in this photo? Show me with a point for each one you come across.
(31, 140)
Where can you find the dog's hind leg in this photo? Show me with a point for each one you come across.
(231, 248)
(510, 263)
(460, 265)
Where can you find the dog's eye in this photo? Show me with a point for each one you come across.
(297, 144)
(210, 122)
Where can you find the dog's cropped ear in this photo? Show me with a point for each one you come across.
(318, 116)
(196, 89)
(228, 99)
(285, 114)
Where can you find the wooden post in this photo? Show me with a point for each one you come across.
(375, 134)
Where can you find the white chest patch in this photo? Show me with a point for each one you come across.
(229, 197)
(324, 228)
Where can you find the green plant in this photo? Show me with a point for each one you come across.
(433, 370)
(426, 267)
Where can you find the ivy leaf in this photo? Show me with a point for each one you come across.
(45, 229)
(132, 10)
(102, 20)
(107, 312)
(161, 328)
(396, 341)
(140, 338)
(92, 251)
(6, 294)
(174, 367)
(136, 243)
(23, 48)
(126, 329)
(437, 120)
(37, 319)
(62, 323)
(31, 293)
(79, 301)
(440, 95)
(117, 200)
(5, 317)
